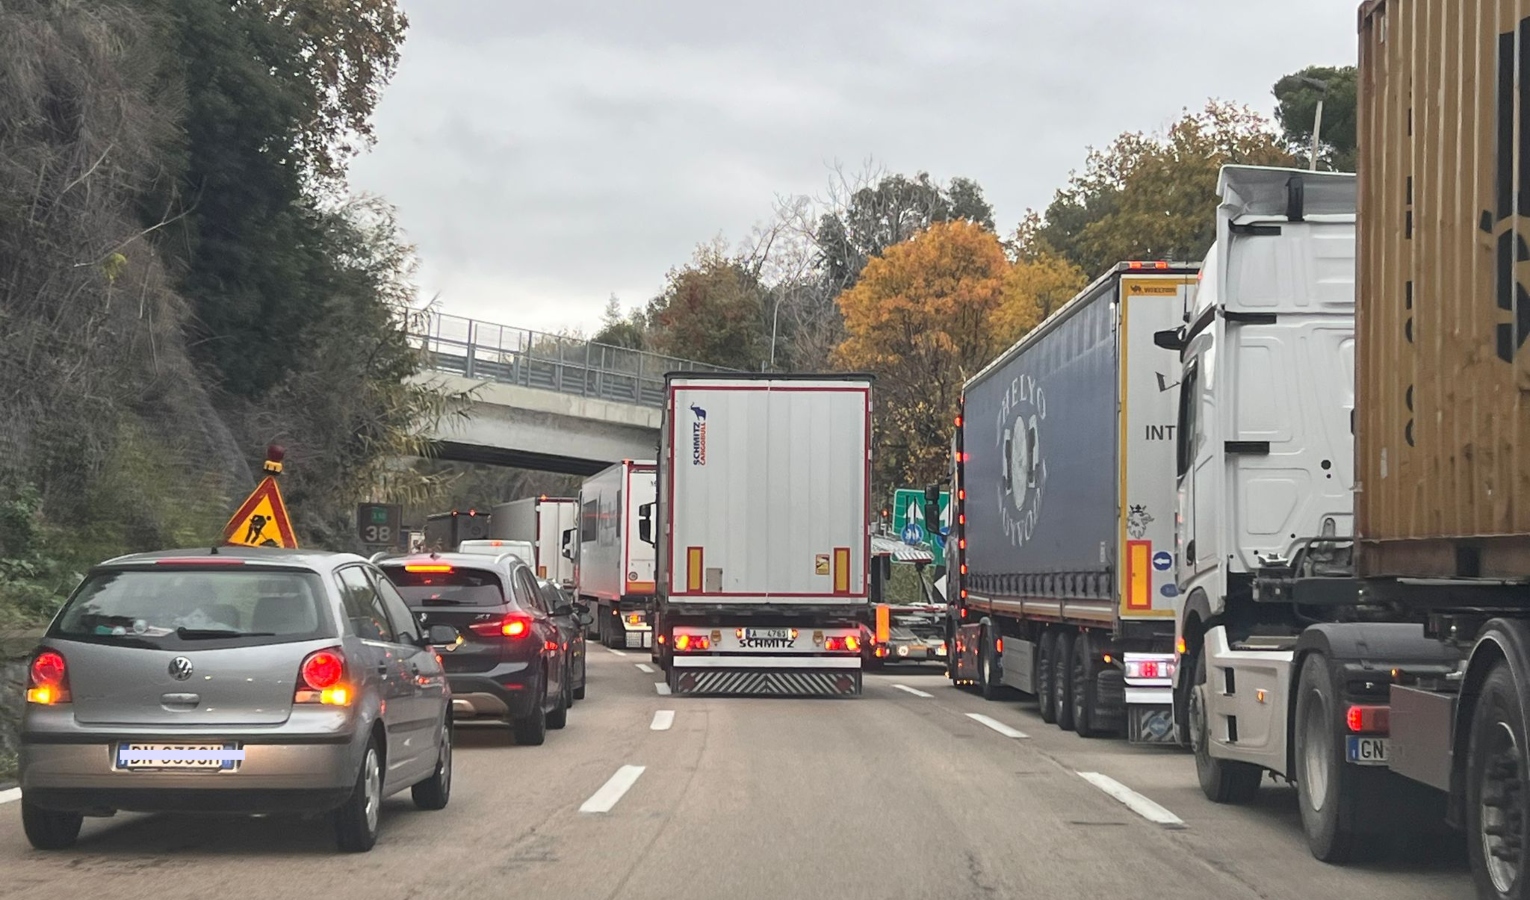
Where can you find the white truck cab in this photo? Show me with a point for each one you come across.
(1264, 457)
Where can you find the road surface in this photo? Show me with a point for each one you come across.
(651, 797)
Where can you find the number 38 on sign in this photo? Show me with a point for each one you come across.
(378, 523)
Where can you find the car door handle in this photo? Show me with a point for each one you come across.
(382, 669)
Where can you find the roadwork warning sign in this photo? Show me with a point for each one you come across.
(261, 520)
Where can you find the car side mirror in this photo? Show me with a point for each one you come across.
(441, 635)
(564, 609)
(585, 618)
(568, 543)
(645, 523)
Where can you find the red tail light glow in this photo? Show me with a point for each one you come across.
(427, 567)
(322, 679)
(847, 644)
(48, 679)
(692, 642)
(1369, 719)
(514, 625)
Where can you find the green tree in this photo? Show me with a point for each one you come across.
(1296, 100)
(620, 329)
(711, 310)
(1151, 196)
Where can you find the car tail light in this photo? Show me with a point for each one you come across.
(321, 679)
(48, 679)
(514, 625)
(427, 567)
(1369, 719)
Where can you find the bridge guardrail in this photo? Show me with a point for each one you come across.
(502, 353)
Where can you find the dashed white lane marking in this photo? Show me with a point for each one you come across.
(996, 725)
(614, 651)
(612, 791)
(915, 691)
(662, 720)
(661, 687)
(645, 667)
(10, 796)
(1134, 801)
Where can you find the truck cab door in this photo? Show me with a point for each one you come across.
(1201, 466)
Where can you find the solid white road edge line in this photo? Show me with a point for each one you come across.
(662, 720)
(645, 667)
(915, 691)
(661, 687)
(10, 796)
(614, 651)
(613, 790)
(996, 725)
(1134, 801)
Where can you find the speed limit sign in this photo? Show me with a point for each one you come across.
(377, 524)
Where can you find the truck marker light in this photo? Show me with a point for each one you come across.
(961, 494)
(1259, 695)
(1179, 646)
(958, 421)
(1107, 659)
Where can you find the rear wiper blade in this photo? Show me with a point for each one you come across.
(194, 634)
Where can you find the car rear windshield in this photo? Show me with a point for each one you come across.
(457, 587)
(197, 608)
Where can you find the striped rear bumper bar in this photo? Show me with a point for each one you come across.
(766, 682)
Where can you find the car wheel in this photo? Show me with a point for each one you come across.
(532, 730)
(356, 821)
(435, 791)
(584, 678)
(49, 830)
(558, 718)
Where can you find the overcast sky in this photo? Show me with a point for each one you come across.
(546, 155)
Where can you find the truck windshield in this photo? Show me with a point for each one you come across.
(458, 587)
(169, 608)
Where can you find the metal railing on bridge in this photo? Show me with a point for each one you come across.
(551, 362)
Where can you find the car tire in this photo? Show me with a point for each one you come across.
(49, 830)
(1062, 681)
(1046, 704)
(531, 731)
(356, 822)
(558, 718)
(1222, 780)
(434, 792)
(584, 678)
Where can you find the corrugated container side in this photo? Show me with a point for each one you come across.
(1443, 420)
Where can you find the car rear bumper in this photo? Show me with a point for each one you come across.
(272, 777)
(505, 692)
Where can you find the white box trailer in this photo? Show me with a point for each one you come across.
(762, 533)
(614, 568)
(543, 522)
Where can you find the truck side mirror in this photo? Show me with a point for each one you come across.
(645, 523)
(1170, 339)
(568, 543)
(932, 509)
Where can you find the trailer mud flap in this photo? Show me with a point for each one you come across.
(1150, 725)
(766, 683)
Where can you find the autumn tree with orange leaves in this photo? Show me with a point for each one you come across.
(928, 314)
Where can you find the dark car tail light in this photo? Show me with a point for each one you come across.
(515, 625)
(321, 679)
(48, 679)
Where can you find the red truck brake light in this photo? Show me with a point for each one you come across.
(1369, 719)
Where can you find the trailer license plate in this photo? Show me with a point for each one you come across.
(768, 634)
(1367, 751)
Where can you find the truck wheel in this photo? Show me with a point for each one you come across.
(1326, 785)
(988, 669)
(1222, 780)
(1046, 704)
(1085, 687)
(1062, 681)
(1496, 814)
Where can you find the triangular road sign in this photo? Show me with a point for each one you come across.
(261, 520)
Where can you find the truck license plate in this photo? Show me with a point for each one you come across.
(769, 634)
(1367, 751)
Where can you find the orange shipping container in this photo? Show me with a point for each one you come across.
(1442, 424)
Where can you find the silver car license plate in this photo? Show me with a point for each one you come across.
(141, 756)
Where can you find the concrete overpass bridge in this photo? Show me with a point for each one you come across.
(544, 402)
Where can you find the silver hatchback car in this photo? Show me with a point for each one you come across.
(236, 681)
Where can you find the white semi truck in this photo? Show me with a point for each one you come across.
(613, 566)
(763, 537)
(547, 524)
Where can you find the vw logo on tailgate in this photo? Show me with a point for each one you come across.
(180, 668)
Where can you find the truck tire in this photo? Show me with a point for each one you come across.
(1062, 681)
(988, 668)
(1497, 821)
(1085, 687)
(1222, 780)
(1333, 795)
(1046, 704)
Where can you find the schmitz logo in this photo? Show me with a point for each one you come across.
(698, 436)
